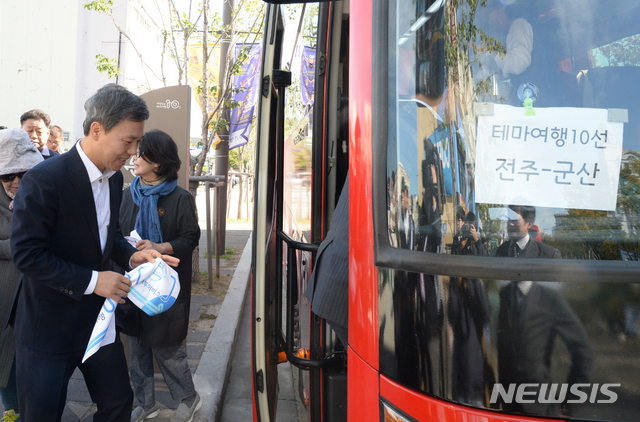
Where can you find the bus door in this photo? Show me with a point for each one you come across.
(265, 313)
(301, 165)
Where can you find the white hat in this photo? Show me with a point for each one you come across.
(18, 153)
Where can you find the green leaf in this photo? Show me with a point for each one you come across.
(100, 6)
(105, 64)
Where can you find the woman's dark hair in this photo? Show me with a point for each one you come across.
(158, 148)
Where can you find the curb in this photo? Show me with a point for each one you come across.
(212, 374)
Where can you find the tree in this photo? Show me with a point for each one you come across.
(629, 190)
(241, 159)
(469, 44)
(241, 31)
(588, 234)
(106, 7)
(624, 52)
(177, 30)
(176, 34)
(305, 36)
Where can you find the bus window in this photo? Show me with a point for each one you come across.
(513, 131)
(461, 139)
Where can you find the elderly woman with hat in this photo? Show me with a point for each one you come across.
(17, 155)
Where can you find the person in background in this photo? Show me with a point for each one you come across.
(467, 241)
(406, 225)
(505, 16)
(54, 142)
(36, 123)
(3, 127)
(469, 313)
(17, 155)
(521, 244)
(164, 217)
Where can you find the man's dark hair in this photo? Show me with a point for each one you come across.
(471, 218)
(112, 104)
(35, 114)
(460, 213)
(528, 213)
(55, 130)
(157, 147)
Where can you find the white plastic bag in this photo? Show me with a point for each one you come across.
(154, 288)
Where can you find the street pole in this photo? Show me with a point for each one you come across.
(222, 147)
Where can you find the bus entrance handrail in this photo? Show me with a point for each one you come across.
(301, 246)
(287, 340)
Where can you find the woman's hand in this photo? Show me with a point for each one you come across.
(164, 248)
(143, 245)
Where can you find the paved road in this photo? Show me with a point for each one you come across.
(237, 402)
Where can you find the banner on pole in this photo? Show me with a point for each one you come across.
(196, 61)
(247, 83)
(308, 74)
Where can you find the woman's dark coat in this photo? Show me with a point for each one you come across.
(179, 225)
(9, 276)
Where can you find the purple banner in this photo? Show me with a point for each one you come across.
(308, 74)
(248, 83)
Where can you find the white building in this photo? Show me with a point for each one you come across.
(48, 56)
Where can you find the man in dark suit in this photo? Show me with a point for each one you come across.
(328, 289)
(520, 244)
(64, 234)
(36, 123)
(532, 316)
(406, 225)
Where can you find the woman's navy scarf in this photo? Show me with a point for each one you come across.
(146, 198)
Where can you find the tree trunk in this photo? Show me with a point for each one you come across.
(195, 257)
(229, 186)
(240, 184)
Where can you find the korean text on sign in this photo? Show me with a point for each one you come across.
(561, 157)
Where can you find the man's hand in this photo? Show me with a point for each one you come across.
(150, 255)
(112, 285)
(474, 233)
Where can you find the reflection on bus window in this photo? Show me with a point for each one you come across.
(514, 132)
(512, 102)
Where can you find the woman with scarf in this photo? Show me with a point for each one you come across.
(164, 217)
(17, 155)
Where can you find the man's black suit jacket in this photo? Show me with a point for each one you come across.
(527, 331)
(55, 244)
(533, 249)
(328, 289)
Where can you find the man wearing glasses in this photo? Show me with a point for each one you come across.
(54, 143)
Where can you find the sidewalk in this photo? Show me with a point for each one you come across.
(204, 343)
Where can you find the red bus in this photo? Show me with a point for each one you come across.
(461, 126)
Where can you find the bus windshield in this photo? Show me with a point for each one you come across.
(514, 131)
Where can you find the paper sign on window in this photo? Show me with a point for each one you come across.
(561, 157)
